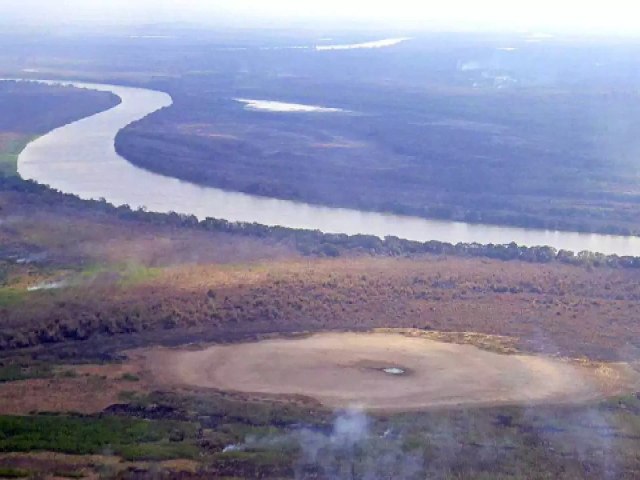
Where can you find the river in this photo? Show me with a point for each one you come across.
(80, 158)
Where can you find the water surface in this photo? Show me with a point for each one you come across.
(80, 158)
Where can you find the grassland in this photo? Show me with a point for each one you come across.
(131, 438)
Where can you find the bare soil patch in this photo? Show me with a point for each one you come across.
(343, 369)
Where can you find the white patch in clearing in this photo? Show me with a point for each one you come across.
(393, 371)
(388, 42)
(47, 286)
(273, 106)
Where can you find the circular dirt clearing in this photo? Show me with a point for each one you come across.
(385, 371)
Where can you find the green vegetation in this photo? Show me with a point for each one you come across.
(133, 438)
(13, 473)
(130, 377)
(129, 274)
(159, 451)
(573, 442)
(15, 372)
(9, 152)
(134, 274)
(11, 296)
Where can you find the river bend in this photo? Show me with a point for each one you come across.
(80, 158)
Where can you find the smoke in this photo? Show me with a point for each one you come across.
(31, 258)
(350, 428)
(48, 286)
(578, 440)
(470, 66)
(350, 449)
(584, 433)
(333, 454)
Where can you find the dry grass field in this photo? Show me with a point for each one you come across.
(557, 309)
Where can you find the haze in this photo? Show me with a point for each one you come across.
(613, 17)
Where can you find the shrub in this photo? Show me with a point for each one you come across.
(13, 473)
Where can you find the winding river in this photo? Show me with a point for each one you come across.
(80, 158)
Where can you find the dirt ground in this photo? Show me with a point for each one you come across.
(344, 369)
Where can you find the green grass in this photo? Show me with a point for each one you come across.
(129, 437)
(159, 451)
(129, 274)
(134, 274)
(10, 296)
(9, 155)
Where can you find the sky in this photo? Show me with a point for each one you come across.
(582, 16)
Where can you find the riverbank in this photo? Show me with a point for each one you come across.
(80, 158)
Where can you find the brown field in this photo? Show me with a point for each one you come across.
(348, 369)
(555, 309)
(81, 389)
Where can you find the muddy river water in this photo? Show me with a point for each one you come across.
(80, 158)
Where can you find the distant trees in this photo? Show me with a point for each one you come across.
(37, 108)
(316, 243)
(518, 169)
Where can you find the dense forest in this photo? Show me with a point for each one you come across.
(492, 129)
(35, 108)
(452, 141)
(540, 165)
